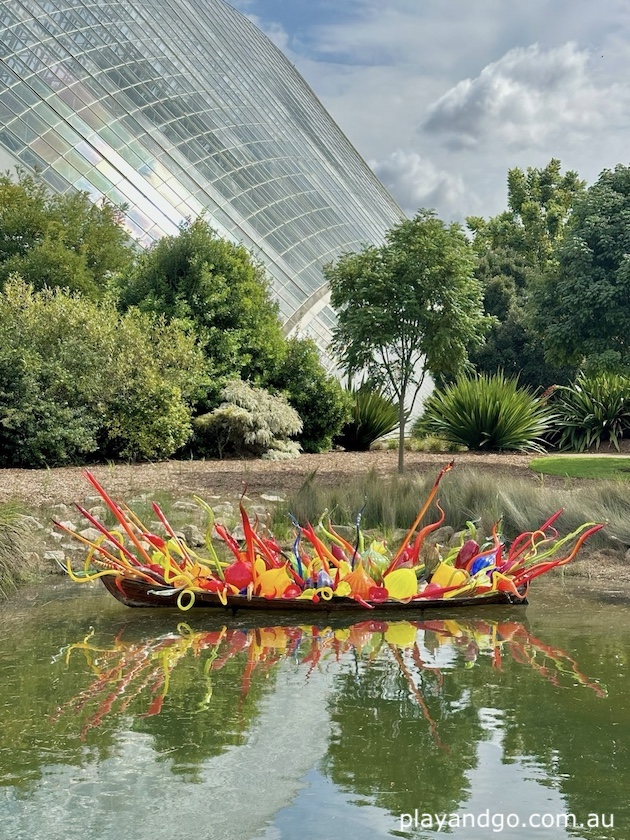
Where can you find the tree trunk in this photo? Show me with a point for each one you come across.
(401, 433)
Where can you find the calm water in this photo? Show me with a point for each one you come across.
(129, 724)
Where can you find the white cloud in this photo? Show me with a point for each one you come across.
(417, 182)
(446, 96)
(276, 33)
(526, 98)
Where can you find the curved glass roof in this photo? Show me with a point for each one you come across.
(178, 107)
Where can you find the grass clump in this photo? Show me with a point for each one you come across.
(13, 555)
(486, 412)
(373, 416)
(392, 502)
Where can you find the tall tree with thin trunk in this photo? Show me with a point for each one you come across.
(407, 309)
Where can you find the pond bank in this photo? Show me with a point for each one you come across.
(52, 493)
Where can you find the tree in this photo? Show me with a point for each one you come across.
(221, 291)
(408, 308)
(58, 241)
(539, 206)
(513, 343)
(583, 307)
(515, 251)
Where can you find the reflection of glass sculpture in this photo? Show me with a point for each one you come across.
(322, 571)
(125, 671)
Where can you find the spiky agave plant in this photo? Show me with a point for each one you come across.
(592, 410)
(373, 416)
(487, 412)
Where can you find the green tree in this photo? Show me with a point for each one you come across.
(583, 307)
(515, 252)
(60, 240)
(513, 343)
(316, 395)
(221, 291)
(407, 309)
(539, 206)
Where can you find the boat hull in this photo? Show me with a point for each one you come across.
(138, 593)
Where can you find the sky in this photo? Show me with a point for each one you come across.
(443, 97)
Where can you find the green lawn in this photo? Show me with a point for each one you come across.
(584, 466)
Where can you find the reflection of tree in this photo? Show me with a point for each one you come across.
(401, 752)
(404, 704)
(405, 734)
(166, 685)
(30, 689)
(580, 741)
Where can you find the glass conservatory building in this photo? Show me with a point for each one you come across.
(179, 107)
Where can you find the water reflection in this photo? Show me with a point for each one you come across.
(132, 670)
(235, 727)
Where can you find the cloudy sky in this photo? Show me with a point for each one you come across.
(442, 97)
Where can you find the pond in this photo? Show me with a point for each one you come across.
(506, 721)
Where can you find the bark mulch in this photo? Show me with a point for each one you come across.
(65, 485)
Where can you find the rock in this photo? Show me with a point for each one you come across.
(60, 509)
(441, 536)
(55, 556)
(257, 510)
(457, 538)
(348, 532)
(226, 509)
(68, 525)
(269, 497)
(186, 506)
(238, 533)
(32, 523)
(90, 534)
(74, 547)
(398, 536)
(55, 536)
(98, 512)
(193, 536)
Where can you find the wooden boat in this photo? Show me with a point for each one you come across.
(138, 593)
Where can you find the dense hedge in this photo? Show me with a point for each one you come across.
(79, 381)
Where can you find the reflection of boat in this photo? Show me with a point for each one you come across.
(138, 593)
(323, 571)
(125, 670)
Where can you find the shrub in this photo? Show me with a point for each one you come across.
(78, 381)
(317, 397)
(60, 240)
(250, 421)
(222, 291)
(373, 416)
(488, 412)
(592, 410)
